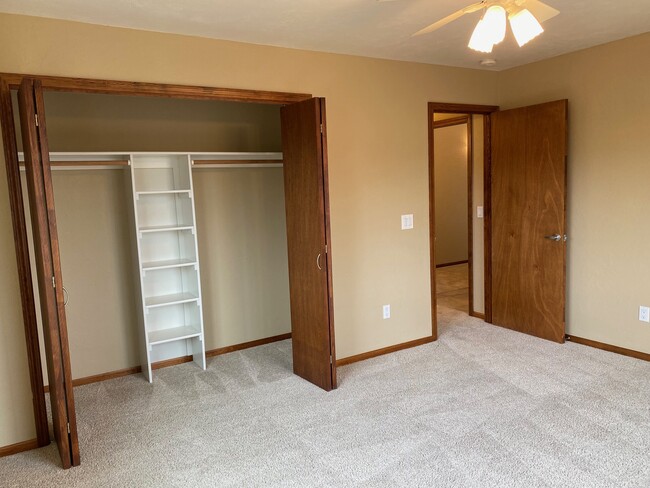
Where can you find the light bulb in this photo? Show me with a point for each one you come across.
(525, 26)
(495, 21)
(481, 39)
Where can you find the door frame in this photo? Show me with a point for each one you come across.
(468, 109)
(93, 86)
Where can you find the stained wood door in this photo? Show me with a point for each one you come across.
(308, 241)
(528, 212)
(48, 268)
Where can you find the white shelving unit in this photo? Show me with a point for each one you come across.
(170, 281)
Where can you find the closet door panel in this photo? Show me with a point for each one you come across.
(307, 239)
(48, 267)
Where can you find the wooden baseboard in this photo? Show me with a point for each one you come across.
(175, 361)
(477, 315)
(608, 347)
(18, 447)
(384, 350)
(455, 263)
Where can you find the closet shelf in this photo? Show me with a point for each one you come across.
(174, 334)
(171, 263)
(167, 300)
(165, 228)
(163, 192)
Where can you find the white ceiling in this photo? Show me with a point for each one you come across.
(361, 27)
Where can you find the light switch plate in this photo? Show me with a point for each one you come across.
(479, 212)
(386, 311)
(407, 222)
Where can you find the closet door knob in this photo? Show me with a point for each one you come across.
(318, 261)
(66, 297)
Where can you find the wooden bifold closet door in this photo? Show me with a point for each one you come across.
(528, 185)
(48, 267)
(308, 240)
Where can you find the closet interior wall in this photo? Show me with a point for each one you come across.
(240, 221)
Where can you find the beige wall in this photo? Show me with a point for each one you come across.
(608, 173)
(450, 156)
(478, 245)
(377, 143)
(16, 418)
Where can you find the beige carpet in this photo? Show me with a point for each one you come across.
(482, 407)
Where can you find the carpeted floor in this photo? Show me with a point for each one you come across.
(482, 407)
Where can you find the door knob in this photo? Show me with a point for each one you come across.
(318, 261)
(554, 237)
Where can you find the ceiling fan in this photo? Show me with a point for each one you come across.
(525, 18)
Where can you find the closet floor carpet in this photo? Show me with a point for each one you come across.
(482, 407)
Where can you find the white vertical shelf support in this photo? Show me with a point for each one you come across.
(168, 258)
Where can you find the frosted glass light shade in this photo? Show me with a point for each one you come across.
(481, 39)
(525, 26)
(495, 21)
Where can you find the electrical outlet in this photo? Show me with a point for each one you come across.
(644, 314)
(386, 311)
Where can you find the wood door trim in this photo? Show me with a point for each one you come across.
(644, 356)
(111, 375)
(462, 108)
(486, 110)
(439, 124)
(23, 446)
(384, 350)
(453, 263)
(24, 266)
(117, 87)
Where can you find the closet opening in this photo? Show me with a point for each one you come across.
(185, 227)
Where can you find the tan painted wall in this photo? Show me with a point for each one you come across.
(450, 156)
(608, 173)
(377, 142)
(16, 418)
(478, 249)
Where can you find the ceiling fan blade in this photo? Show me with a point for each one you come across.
(540, 10)
(450, 18)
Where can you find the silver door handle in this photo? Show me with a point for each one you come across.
(554, 237)
(66, 297)
(318, 261)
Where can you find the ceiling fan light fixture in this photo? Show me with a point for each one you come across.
(495, 20)
(525, 26)
(481, 39)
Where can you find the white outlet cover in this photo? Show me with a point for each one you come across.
(386, 311)
(407, 221)
(644, 314)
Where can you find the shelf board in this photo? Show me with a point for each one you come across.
(172, 263)
(165, 228)
(163, 192)
(166, 300)
(173, 334)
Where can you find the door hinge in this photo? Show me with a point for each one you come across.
(53, 282)
(68, 427)
(325, 248)
(321, 128)
(36, 116)
(330, 359)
